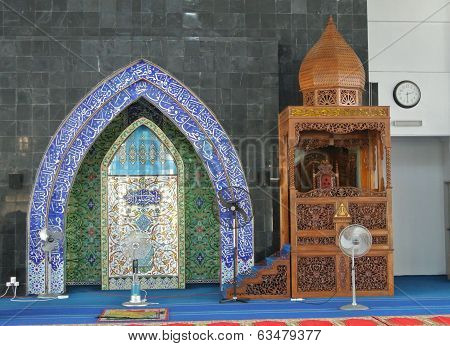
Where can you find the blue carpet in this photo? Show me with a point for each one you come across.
(414, 295)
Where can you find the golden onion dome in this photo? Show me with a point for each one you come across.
(331, 63)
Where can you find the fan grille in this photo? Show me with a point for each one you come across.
(357, 238)
(137, 245)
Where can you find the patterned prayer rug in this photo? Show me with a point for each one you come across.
(134, 315)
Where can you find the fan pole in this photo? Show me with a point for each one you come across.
(353, 278)
(354, 305)
(136, 300)
(235, 298)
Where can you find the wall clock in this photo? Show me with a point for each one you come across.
(407, 94)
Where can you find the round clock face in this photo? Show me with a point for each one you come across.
(407, 94)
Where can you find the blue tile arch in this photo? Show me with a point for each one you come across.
(88, 119)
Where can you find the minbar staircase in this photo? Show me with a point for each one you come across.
(271, 280)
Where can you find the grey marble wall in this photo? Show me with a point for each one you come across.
(240, 56)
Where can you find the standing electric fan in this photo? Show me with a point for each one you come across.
(137, 247)
(50, 239)
(355, 241)
(235, 213)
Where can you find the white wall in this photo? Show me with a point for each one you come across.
(446, 148)
(410, 40)
(418, 199)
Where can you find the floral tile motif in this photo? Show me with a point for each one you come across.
(83, 224)
(124, 219)
(118, 215)
(83, 262)
(143, 222)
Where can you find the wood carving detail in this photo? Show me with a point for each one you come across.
(327, 97)
(308, 98)
(348, 97)
(315, 216)
(344, 191)
(370, 215)
(291, 160)
(271, 284)
(316, 240)
(351, 142)
(342, 272)
(309, 144)
(379, 239)
(325, 178)
(371, 273)
(314, 111)
(388, 168)
(340, 128)
(316, 273)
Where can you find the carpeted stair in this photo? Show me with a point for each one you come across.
(270, 280)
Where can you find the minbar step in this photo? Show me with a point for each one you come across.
(271, 281)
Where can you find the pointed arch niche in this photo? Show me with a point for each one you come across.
(80, 129)
(142, 190)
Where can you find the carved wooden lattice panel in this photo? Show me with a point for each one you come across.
(309, 144)
(388, 168)
(316, 241)
(351, 142)
(308, 98)
(348, 97)
(379, 239)
(316, 273)
(340, 128)
(371, 273)
(342, 272)
(370, 215)
(315, 216)
(342, 191)
(327, 97)
(275, 284)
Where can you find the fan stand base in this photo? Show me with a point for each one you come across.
(354, 307)
(233, 300)
(140, 304)
(136, 301)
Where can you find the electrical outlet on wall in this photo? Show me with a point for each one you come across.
(12, 282)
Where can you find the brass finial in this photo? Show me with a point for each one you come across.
(330, 20)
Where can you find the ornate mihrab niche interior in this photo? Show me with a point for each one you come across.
(142, 174)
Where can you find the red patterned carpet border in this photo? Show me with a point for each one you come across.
(358, 321)
(424, 320)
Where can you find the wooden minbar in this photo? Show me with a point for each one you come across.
(315, 206)
(335, 166)
(335, 170)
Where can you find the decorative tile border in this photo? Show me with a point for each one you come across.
(78, 132)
